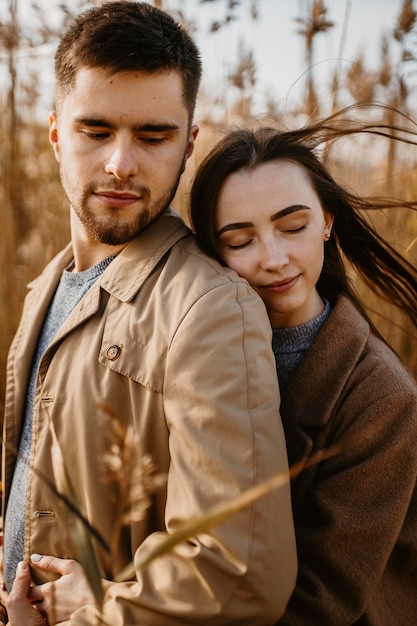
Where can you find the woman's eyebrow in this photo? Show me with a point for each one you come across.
(287, 211)
(294, 208)
(235, 226)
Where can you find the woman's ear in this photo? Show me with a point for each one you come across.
(328, 225)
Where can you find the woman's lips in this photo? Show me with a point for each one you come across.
(280, 286)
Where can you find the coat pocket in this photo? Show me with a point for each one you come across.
(142, 363)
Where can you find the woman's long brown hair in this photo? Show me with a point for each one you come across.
(385, 270)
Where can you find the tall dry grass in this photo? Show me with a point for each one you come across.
(34, 227)
(34, 223)
(41, 228)
(37, 228)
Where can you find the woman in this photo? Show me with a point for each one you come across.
(263, 203)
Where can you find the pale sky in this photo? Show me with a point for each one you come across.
(277, 47)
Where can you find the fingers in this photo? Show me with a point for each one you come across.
(52, 564)
(20, 587)
(21, 582)
(2, 581)
(19, 609)
(36, 594)
(59, 599)
(4, 596)
(53, 567)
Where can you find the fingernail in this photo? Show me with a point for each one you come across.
(22, 566)
(35, 557)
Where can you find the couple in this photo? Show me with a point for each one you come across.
(134, 320)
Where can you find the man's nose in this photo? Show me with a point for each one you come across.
(122, 161)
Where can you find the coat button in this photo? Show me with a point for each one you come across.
(113, 352)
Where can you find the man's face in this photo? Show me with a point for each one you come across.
(121, 141)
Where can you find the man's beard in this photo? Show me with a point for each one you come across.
(113, 230)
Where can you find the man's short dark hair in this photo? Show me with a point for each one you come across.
(127, 36)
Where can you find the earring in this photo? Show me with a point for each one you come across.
(326, 236)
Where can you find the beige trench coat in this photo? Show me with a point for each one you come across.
(178, 348)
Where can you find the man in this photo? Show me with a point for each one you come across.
(132, 328)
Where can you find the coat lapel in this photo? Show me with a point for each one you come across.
(315, 387)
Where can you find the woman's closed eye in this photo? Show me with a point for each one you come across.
(238, 246)
(235, 241)
(244, 243)
(294, 230)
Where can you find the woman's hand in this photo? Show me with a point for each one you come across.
(3, 616)
(19, 608)
(4, 596)
(57, 600)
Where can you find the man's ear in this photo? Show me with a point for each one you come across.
(191, 140)
(190, 145)
(53, 134)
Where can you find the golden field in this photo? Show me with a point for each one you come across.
(34, 212)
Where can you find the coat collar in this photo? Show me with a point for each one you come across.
(318, 382)
(122, 278)
(316, 386)
(126, 274)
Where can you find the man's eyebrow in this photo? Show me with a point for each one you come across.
(156, 128)
(94, 122)
(91, 121)
(287, 211)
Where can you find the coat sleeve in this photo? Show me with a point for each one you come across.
(225, 435)
(356, 514)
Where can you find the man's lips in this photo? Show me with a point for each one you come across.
(116, 198)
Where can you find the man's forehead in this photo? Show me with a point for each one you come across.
(104, 78)
(97, 92)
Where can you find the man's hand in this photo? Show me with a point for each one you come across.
(57, 600)
(19, 609)
(4, 596)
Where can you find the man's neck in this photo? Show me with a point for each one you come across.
(87, 251)
(84, 259)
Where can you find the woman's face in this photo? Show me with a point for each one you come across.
(271, 229)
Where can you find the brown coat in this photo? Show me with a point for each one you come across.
(356, 513)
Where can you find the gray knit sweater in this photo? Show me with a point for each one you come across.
(290, 344)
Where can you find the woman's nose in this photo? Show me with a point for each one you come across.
(273, 256)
